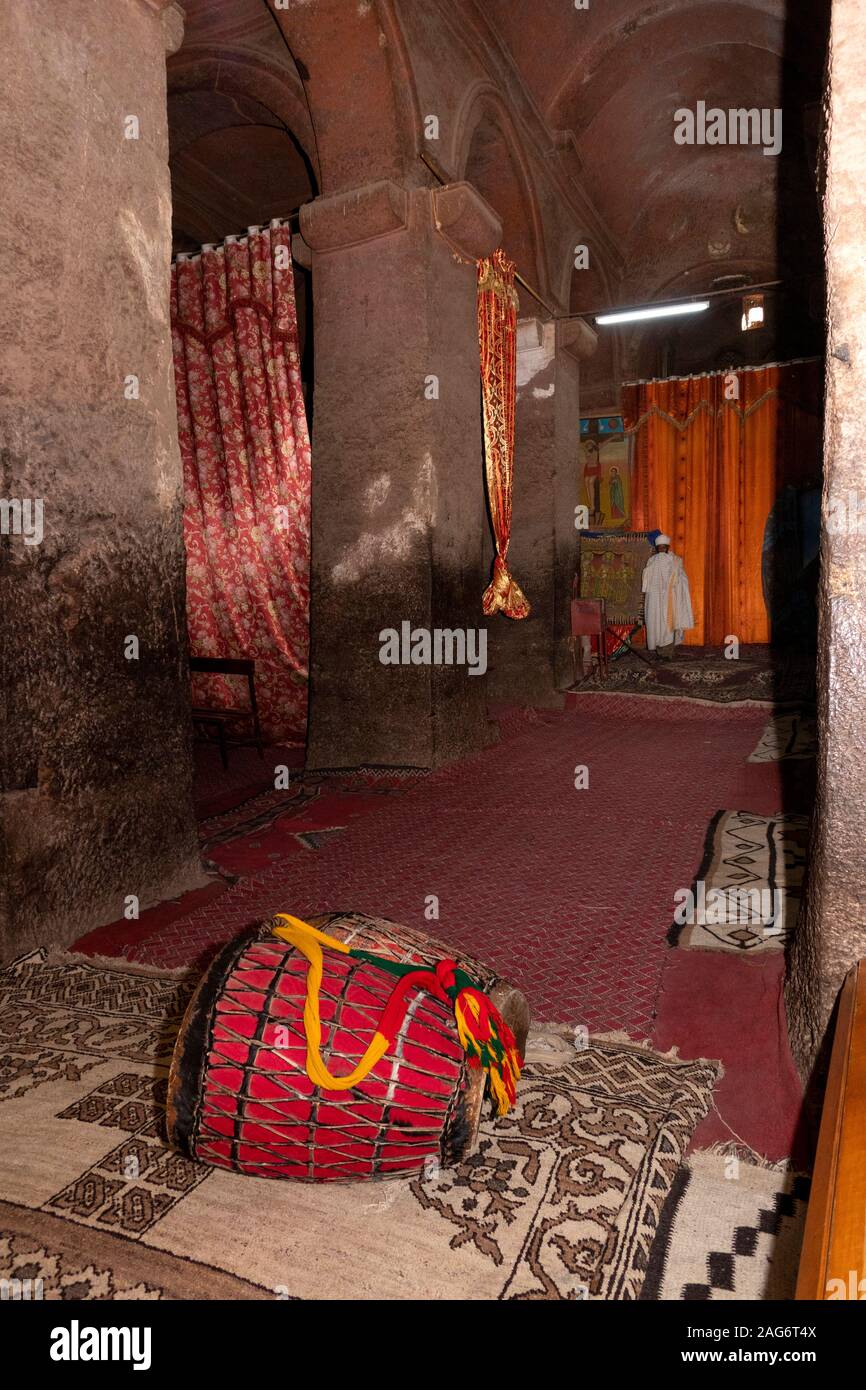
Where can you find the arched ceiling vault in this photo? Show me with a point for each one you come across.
(241, 142)
(614, 75)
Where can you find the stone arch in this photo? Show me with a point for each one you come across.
(682, 346)
(359, 90)
(241, 137)
(248, 81)
(622, 55)
(697, 210)
(488, 152)
(240, 120)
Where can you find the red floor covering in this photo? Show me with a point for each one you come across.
(217, 787)
(712, 1006)
(567, 892)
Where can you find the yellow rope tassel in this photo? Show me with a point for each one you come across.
(295, 931)
(498, 1092)
(467, 1039)
(309, 942)
(485, 1038)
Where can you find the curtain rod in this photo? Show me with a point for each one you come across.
(237, 236)
(438, 172)
(719, 371)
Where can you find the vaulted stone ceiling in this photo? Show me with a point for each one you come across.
(241, 145)
(686, 217)
(604, 82)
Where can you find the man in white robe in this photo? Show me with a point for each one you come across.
(667, 602)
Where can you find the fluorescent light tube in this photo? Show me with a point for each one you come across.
(657, 311)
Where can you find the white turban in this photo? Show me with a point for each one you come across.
(662, 539)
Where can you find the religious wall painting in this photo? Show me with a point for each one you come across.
(604, 472)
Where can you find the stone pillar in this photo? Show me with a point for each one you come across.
(576, 341)
(530, 661)
(398, 503)
(97, 774)
(831, 934)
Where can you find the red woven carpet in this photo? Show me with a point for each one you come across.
(567, 892)
(713, 1005)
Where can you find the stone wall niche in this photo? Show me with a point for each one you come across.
(97, 774)
(831, 933)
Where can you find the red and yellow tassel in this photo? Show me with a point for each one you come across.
(489, 1042)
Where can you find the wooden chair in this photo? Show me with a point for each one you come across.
(213, 720)
(588, 619)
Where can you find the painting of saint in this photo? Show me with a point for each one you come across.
(592, 480)
(617, 496)
(605, 473)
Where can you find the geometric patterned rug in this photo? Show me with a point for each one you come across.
(729, 1230)
(748, 890)
(256, 813)
(561, 1199)
(315, 839)
(787, 736)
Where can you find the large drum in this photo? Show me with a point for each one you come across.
(240, 1092)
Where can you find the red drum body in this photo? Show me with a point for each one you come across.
(239, 1093)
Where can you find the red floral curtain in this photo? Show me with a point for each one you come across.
(246, 468)
(497, 338)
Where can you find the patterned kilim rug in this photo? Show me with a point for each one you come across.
(561, 1200)
(704, 673)
(316, 839)
(729, 1230)
(747, 893)
(256, 813)
(787, 736)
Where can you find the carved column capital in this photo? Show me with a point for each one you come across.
(172, 18)
(301, 252)
(577, 338)
(346, 219)
(466, 221)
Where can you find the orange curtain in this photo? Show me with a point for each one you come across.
(497, 340)
(711, 455)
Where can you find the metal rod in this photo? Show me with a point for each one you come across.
(434, 166)
(535, 295)
(699, 376)
(186, 255)
(437, 171)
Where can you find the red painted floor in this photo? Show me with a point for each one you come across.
(567, 892)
